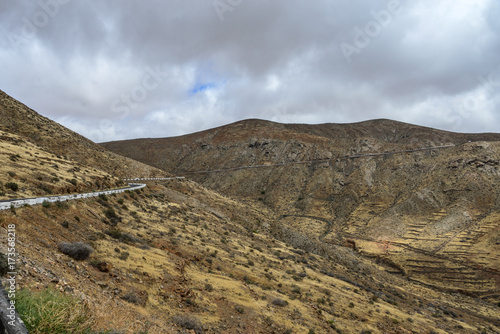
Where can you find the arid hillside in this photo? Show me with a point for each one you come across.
(179, 257)
(18, 119)
(433, 214)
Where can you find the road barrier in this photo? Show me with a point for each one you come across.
(155, 178)
(16, 203)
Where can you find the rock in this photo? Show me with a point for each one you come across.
(104, 267)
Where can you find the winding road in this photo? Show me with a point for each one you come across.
(7, 204)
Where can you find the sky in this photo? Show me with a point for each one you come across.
(113, 70)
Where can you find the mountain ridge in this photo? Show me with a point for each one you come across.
(272, 252)
(423, 201)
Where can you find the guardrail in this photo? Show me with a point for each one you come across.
(155, 178)
(133, 186)
(16, 203)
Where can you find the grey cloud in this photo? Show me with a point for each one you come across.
(280, 60)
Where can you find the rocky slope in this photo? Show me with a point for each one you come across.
(18, 119)
(418, 210)
(178, 257)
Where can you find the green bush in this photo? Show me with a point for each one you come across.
(62, 205)
(12, 186)
(4, 265)
(112, 216)
(50, 311)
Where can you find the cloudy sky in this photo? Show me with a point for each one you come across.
(117, 69)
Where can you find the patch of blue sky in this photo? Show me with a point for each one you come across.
(201, 87)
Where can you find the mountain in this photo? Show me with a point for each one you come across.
(433, 214)
(179, 257)
(18, 119)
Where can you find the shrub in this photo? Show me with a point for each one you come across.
(12, 186)
(76, 250)
(73, 182)
(136, 296)
(110, 213)
(123, 236)
(279, 302)
(62, 205)
(46, 204)
(50, 311)
(11, 174)
(65, 224)
(188, 322)
(124, 256)
(44, 188)
(4, 265)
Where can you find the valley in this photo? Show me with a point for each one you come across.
(328, 235)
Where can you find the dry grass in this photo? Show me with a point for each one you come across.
(40, 173)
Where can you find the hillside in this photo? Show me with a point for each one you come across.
(433, 215)
(259, 142)
(178, 257)
(18, 119)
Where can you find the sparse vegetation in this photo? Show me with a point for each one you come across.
(188, 322)
(76, 250)
(136, 297)
(213, 254)
(50, 311)
(279, 302)
(4, 265)
(123, 256)
(12, 186)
